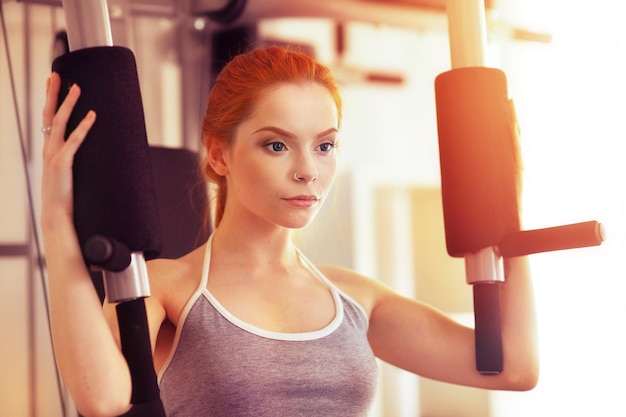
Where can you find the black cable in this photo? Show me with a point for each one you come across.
(22, 140)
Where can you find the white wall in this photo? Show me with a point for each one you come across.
(570, 98)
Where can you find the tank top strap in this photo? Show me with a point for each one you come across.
(204, 278)
(187, 308)
(338, 294)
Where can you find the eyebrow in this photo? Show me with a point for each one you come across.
(288, 134)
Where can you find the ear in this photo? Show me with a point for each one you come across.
(216, 155)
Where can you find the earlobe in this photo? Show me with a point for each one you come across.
(215, 156)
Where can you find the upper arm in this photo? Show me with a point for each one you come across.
(421, 339)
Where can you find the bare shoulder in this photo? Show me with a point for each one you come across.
(366, 291)
(172, 281)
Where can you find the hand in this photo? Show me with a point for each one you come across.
(519, 165)
(58, 154)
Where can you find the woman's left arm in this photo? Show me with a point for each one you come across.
(419, 338)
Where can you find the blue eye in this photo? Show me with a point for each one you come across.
(327, 147)
(276, 146)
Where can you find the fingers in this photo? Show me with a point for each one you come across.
(53, 84)
(55, 120)
(63, 151)
(80, 132)
(58, 153)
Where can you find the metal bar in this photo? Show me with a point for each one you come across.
(88, 23)
(467, 29)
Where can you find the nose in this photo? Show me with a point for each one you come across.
(305, 170)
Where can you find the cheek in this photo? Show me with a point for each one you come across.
(256, 176)
(330, 168)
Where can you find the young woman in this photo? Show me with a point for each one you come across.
(245, 325)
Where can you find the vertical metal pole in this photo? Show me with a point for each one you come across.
(89, 26)
(467, 30)
(88, 23)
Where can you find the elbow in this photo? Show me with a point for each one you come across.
(106, 395)
(521, 370)
(532, 378)
(527, 382)
(102, 407)
(523, 379)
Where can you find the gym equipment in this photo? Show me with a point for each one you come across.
(115, 206)
(480, 164)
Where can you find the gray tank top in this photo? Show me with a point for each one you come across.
(220, 366)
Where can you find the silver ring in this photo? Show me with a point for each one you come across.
(46, 129)
(295, 176)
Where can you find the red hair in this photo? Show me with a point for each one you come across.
(237, 89)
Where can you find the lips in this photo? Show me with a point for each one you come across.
(302, 201)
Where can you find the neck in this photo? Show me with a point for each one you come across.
(259, 245)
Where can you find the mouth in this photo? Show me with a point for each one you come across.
(302, 201)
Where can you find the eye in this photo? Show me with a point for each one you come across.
(327, 146)
(276, 146)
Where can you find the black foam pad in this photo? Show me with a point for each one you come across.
(479, 158)
(113, 183)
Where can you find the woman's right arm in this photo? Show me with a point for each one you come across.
(85, 346)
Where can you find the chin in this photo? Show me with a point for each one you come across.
(297, 223)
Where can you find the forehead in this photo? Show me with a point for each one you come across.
(289, 102)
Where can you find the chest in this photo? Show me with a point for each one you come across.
(285, 306)
(282, 308)
(241, 372)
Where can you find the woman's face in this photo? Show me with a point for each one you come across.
(282, 161)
